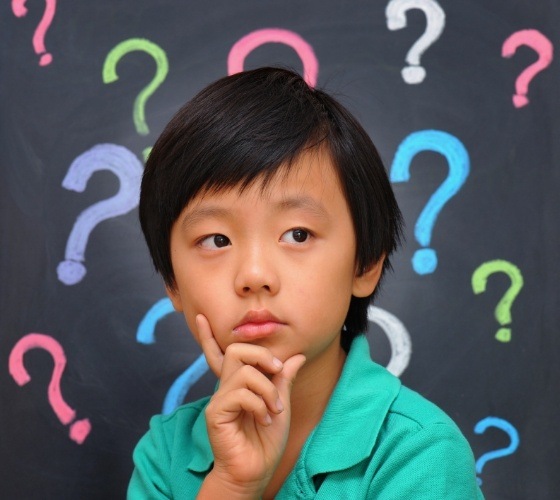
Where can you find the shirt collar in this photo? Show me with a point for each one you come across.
(364, 391)
(358, 405)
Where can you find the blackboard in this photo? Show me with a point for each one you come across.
(496, 226)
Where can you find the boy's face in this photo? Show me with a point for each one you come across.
(276, 267)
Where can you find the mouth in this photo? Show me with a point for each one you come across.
(257, 325)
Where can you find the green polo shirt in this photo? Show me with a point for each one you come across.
(377, 439)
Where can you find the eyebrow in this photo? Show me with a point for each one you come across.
(304, 203)
(200, 213)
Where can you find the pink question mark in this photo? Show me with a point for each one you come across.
(542, 46)
(19, 9)
(79, 430)
(244, 46)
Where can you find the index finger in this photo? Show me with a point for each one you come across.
(241, 354)
(212, 352)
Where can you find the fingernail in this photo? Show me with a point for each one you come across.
(279, 405)
(276, 362)
(267, 420)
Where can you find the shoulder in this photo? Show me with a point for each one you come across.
(417, 450)
(368, 392)
(421, 451)
(169, 432)
(174, 438)
(414, 421)
(398, 408)
(173, 444)
(412, 409)
(172, 426)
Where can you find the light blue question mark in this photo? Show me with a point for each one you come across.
(146, 335)
(425, 260)
(503, 452)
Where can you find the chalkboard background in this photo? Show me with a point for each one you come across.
(502, 394)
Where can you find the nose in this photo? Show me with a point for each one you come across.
(256, 272)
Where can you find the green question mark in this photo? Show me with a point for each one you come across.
(502, 312)
(110, 75)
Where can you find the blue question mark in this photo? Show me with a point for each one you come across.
(503, 452)
(425, 260)
(146, 335)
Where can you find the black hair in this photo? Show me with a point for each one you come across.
(247, 126)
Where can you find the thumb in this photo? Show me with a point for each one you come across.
(285, 379)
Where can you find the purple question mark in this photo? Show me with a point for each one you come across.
(126, 166)
(180, 387)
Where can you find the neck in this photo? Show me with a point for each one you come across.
(310, 395)
(313, 388)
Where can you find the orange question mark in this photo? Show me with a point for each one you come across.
(19, 9)
(79, 430)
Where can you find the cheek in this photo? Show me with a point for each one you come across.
(208, 301)
(325, 298)
(192, 300)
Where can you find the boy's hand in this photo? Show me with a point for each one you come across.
(248, 418)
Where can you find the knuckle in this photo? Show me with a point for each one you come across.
(245, 394)
(247, 371)
(229, 349)
(233, 350)
(247, 399)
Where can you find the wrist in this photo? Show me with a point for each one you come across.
(222, 485)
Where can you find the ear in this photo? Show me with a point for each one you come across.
(365, 283)
(174, 297)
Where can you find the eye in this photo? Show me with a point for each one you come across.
(297, 235)
(214, 241)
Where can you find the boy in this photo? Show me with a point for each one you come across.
(268, 213)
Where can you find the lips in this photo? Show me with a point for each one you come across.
(257, 325)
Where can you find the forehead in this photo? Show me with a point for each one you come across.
(311, 174)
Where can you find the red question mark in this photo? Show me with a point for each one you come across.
(250, 42)
(19, 9)
(79, 430)
(542, 46)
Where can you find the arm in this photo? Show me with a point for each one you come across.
(248, 417)
(434, 463)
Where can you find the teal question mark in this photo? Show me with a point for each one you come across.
(425, 260)
(146, 335)
(503, 309)
(505, 426)
(162, 68)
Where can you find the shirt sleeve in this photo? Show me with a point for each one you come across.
(434, 462)
(151, 465)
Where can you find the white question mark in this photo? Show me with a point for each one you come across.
(401, 345)
(126, 166)
(435, 22)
